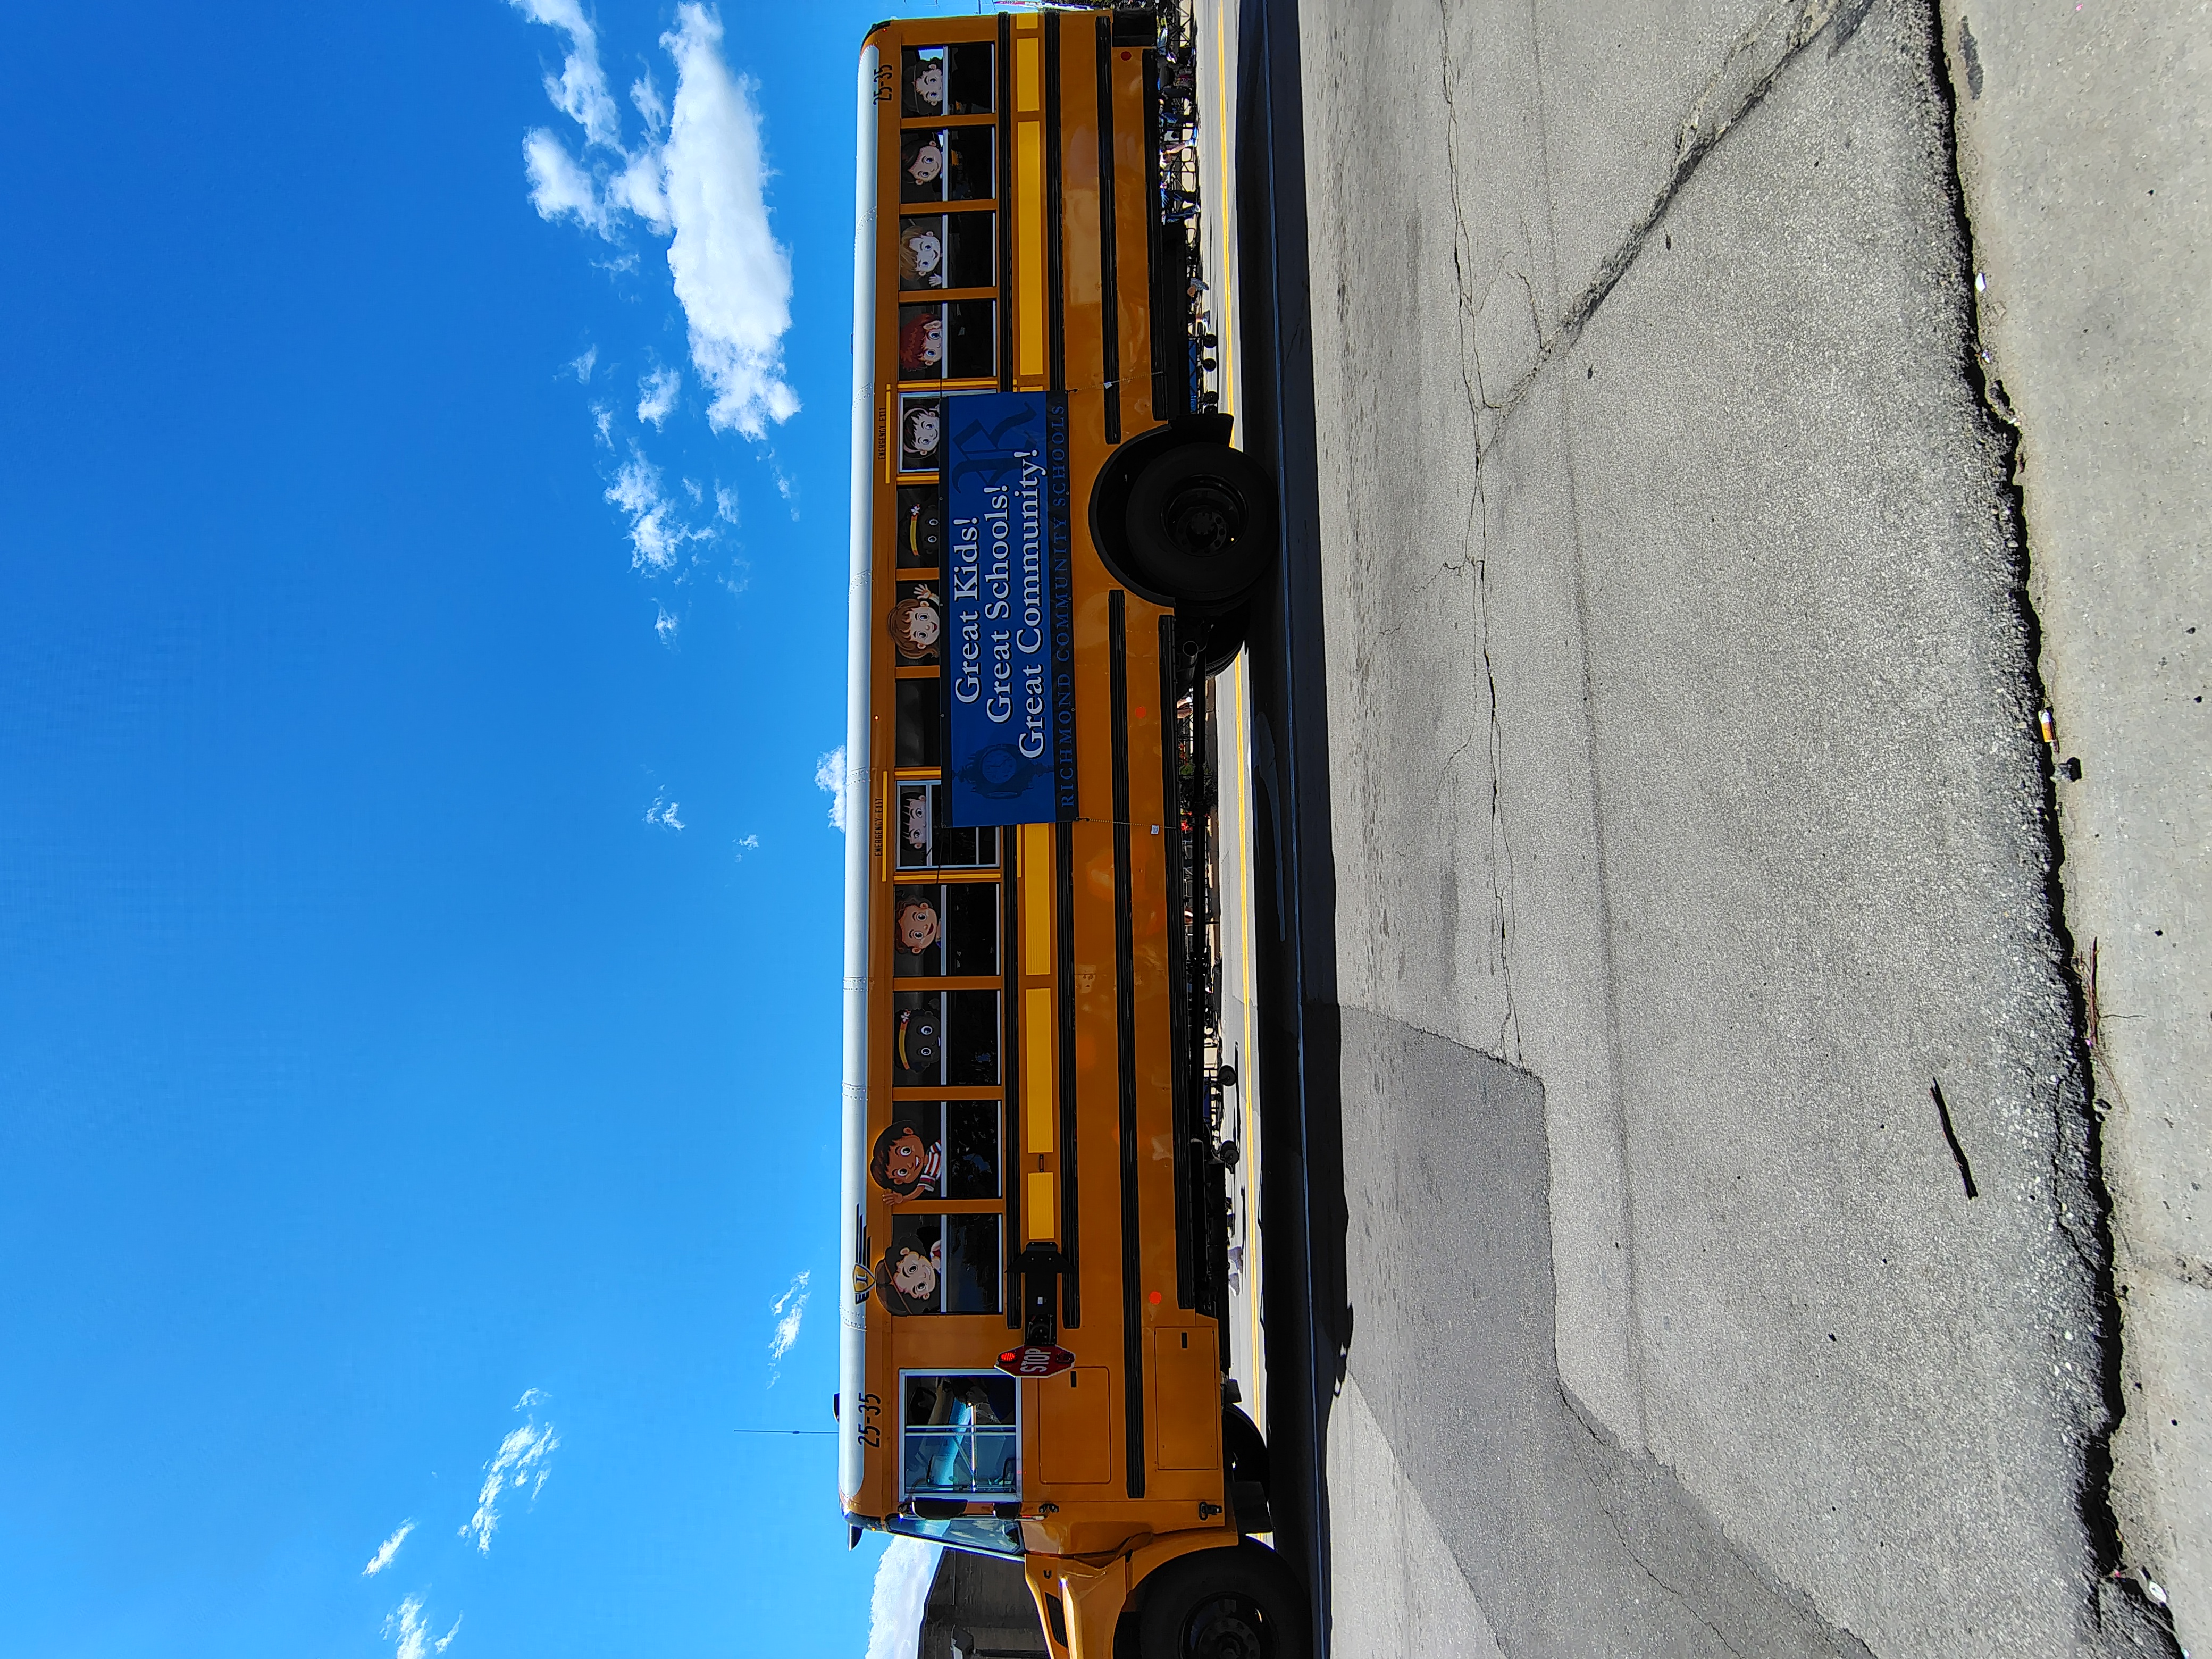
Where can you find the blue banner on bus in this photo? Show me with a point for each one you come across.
(1009, 649)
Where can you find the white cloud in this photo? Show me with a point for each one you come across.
(407, 1627)
(725, 504)
(664, 623)
(656, 395)
(646, 97)
(603, 419)
(699, 178)
(829, 774)
(750, 842)
(788, 1310)
(521, 1462)
(581, 367)
(656, 535)
(387, 1550)
(902, 1587)
(559, 185)
(733, 279)
(580, 91)
(663, 814)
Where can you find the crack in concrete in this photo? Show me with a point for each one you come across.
(1672, 1591)
(1745, 75)
(1604, 1460)
(1476, 533)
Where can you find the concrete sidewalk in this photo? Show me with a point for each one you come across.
(2085, 148)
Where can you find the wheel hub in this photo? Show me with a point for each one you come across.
(1203, 519)
(1227, 1627)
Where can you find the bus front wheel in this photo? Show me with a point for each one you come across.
(1200, 523)
(1243, 1602)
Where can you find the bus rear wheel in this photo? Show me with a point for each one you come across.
(1238, 1603)
(1200, 523)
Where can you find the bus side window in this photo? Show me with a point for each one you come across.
(967, 849)
(956, 164)
(970, 175)
(968, 82)
(917, 723)
(944, 1036)
(924, 843)
(937, 1149)
(971, 1036)
(945, 930)
(970, 250)
(971, 928)
(971, 340)
(942, 1264)
(973, 1272)
(971, 1149)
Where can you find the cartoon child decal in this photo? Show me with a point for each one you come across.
(925, 85)
(923, 539)
(915, 625)
(914, 825)
(918, 436)
(920, 1043)
(922, 253)
(917, 922)
(922, 157)
(907, 1278)
(907, 1159)
(921, 345)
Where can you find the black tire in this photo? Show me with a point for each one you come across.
(1202, 526)
(1243, 1448)
(1245, 1477)
(1221, 637)
(1243, 1602)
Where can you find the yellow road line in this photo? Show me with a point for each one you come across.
(1225, 355)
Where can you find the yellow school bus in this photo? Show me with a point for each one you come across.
(1052, 539)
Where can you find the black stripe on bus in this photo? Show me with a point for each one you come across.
(1180, 1034)
(1125, 1039)
(1155, 239)
(1055, 295)
(1010, 1113)
(1063, 858)
(1002, 159)
(1109, 301)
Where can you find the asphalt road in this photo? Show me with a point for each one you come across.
(1684, 1227)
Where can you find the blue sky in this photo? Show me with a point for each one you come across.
(419, 918)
